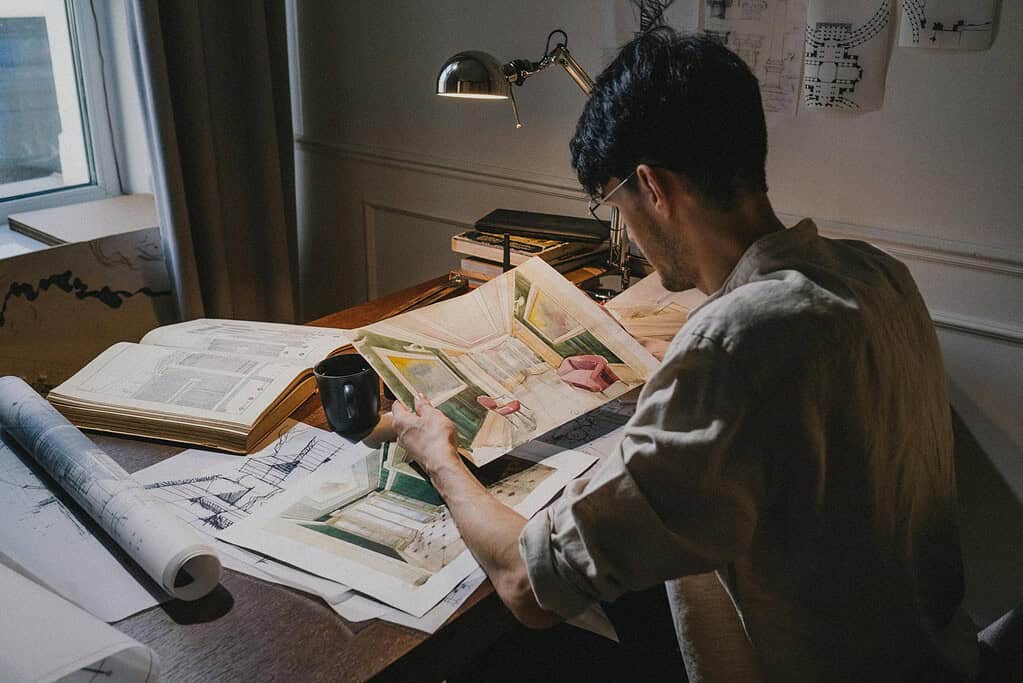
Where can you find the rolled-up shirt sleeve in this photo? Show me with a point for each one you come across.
(680, 494)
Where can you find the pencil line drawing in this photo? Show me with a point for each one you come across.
(214, 501)
(833, 65)
(768, 35)
(947, 24)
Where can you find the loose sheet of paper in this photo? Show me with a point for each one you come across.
(947, 24)
(46, 638)
(211, 491)
(768, 35)
(848, 43)
(596, 433)
(399, 546)
(178, 559)
(647, 309)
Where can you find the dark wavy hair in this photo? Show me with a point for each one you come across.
(683, 102)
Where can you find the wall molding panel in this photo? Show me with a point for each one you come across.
(372, 211)
(937, 263)
(495, 176)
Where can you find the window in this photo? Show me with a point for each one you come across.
(55, 141)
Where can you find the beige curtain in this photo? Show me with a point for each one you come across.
(214, 83)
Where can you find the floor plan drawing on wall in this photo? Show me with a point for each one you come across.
(768, 35)
(512, 359)
(847, 49)
(947, 24)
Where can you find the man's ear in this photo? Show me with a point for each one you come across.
(653, 182)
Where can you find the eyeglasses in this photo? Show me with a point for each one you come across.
(597, 202)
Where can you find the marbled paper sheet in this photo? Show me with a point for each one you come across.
(848, 43)
(947, 24)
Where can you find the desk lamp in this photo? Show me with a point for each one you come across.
(476, 75)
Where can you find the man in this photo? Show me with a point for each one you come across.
(796, 439)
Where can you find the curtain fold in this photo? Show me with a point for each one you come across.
(214, 85)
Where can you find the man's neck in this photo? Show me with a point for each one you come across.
(724, 236)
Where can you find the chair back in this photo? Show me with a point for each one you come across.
(1001, 648)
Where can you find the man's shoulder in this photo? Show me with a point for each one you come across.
(821, 288)
(779, 311)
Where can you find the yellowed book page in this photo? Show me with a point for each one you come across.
(299, 344)
(203, 385)
(647, 309)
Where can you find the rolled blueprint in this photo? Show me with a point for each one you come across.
(165, 547)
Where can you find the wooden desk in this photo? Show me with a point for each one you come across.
(255, 631)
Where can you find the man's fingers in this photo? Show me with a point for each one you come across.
(401, 415)
(422, 403)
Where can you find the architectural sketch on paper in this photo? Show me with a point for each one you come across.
(376, 526)
(834, 65)
(947, 24)
(401, 518)
(212, 501)
(515, 358)
(768, 35)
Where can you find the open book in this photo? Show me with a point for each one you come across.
(218, 383)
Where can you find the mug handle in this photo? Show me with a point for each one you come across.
(351, 406)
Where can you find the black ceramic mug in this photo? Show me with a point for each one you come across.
(350, 392)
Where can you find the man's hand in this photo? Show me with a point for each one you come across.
(656, 347)
(427, 434)
(489, 528)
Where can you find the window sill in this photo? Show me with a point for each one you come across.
(14, 243)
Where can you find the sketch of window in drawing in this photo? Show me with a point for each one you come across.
(549, 319)
(514, 358)
(846, 63)
(947, 24)
(423, 374)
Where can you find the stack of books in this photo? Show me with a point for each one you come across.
(576, 246)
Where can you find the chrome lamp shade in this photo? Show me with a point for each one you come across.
(473, 75)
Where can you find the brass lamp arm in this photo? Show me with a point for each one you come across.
(518, 70)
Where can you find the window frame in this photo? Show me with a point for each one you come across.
(83, 17)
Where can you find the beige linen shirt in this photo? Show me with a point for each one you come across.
(797, 440)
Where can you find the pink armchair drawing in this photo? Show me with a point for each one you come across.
(513, 411)
(587, 372)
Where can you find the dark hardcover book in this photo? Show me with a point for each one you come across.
(544, 225)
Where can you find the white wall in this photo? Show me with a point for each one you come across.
(934, 177)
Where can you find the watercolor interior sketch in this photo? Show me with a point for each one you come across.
(520, 355)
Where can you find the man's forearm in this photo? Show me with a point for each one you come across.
(491, 531)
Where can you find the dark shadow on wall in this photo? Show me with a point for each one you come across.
(991, 521)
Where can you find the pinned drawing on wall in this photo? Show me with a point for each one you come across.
(631, 18)
(947, 24)
(847, 48)
(768, 35)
